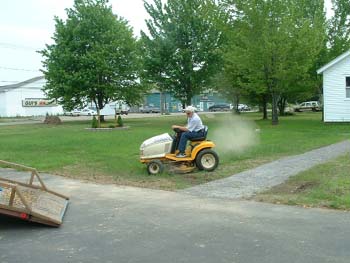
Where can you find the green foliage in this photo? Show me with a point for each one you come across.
(93, 58)
(94, 123)
(181, 53)
(120, 121)
(272, 45)
(339, 29)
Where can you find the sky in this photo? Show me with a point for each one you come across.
(27, 25)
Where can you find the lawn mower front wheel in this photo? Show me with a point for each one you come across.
(207, 160)
(155, 167)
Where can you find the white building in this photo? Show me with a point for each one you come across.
(26, 99)
(336, 89)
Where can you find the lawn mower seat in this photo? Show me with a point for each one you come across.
(203, 137)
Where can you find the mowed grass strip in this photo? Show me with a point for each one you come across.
(113, 157)
(326, 185)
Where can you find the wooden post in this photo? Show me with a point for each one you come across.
(12, 197)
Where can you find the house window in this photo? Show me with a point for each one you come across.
(347, 87)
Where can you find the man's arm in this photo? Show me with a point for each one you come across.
(182, 128)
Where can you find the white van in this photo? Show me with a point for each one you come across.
(308, 106)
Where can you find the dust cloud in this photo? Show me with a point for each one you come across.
(232, 134)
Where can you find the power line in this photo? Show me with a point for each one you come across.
(20, 69)
(9, 81)
(16, 46)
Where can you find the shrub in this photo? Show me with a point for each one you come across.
(120, 121)
(94, 123)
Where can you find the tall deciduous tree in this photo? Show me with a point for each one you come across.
(339, 28)
(236, 83)
(309, 84)
(93, 58)
(181, 52)
(276, 44)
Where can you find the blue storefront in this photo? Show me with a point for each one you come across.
(201, 102)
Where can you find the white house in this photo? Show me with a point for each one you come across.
(26, 99)
(336, 89)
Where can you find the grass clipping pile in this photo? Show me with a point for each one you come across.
(55, 120)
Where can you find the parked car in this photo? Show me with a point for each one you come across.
(122, 111)
(220, 107)
(88, 112)
(243, 107)
(75, 112)
(149, 109)
(308, 106)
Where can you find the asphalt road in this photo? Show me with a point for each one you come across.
(106, 223)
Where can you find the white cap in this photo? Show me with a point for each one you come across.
(190, 109)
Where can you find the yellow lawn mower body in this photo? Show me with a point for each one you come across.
(158, 152)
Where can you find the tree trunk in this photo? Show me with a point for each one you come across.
(98, 117)
(264, 107)
(161, 103)
(166, 110)
(282, 106)
(236, 102)
(188, 101)
(99, 108)
(274, 109)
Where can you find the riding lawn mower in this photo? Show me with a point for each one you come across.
(160, 151)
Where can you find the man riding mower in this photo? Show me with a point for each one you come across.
(162, 150)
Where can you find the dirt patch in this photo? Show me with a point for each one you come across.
(304, 187)
(290, 188)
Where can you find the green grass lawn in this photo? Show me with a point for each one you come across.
(242, 142)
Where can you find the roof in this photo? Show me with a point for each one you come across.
(20, 84)
(333, 62)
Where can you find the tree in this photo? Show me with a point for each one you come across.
(310, 85)
(181, 53)
(339, 28)
(156, 54)
(276, 44)
(235, 82)
(93, 58)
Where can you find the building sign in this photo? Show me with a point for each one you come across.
(31, 102)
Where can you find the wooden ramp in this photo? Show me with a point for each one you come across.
(31, 201)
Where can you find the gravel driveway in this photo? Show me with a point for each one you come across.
(247, 183)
